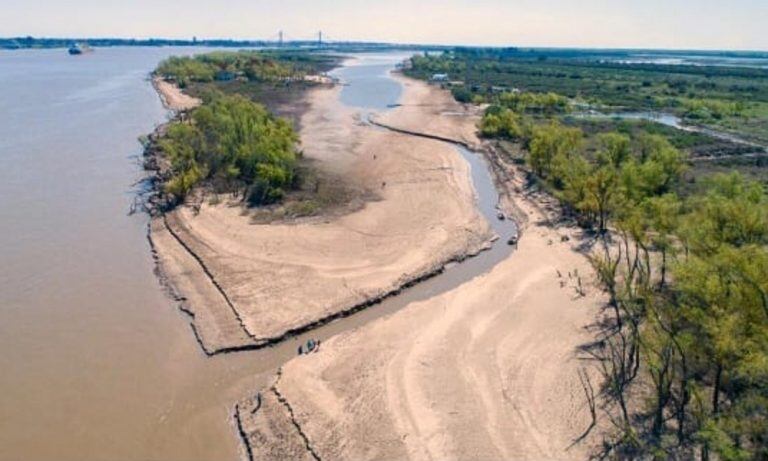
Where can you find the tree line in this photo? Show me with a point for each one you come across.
(684, 353)
(685, 358)
(729, 97)
(260, 66)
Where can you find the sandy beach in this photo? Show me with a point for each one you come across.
(250, 284)
(489, 370)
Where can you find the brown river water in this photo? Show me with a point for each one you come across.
(97, 363)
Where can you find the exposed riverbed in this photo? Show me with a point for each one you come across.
(98, 361)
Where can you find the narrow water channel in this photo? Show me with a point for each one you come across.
(671, 120)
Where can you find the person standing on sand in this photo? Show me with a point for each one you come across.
(258, 403)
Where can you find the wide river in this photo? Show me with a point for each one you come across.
(97, 362)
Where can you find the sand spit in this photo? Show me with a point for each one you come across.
(248, 285)
(489, 370)
(173, 98)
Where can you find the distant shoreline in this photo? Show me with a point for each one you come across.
(17, 43)
(22, 43)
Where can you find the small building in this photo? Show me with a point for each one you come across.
(504, 89)
(439, 77)
(225, 76)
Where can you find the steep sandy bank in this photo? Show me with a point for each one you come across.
(247, 284)
(489, 370)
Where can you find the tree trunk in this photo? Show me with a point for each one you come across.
(716, 392)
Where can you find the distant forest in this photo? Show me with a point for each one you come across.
(14, 43)
(495, 52)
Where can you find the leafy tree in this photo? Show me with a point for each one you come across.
(663, 214)
(549, 141)
(462, 94)
(258, 66)
(601, 193)
(614, 149)
(499, 122)
(731, 211)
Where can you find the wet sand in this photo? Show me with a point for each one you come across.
(248, 284)
(488, 370)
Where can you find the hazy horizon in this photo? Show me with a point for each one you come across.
(651, 24)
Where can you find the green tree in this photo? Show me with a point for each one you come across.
(614, 149)
(499, 122)
(231, 142)
(550, 141)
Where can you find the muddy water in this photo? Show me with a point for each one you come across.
(366, 80)
(96, 362)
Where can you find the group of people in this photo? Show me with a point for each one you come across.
(311, 346)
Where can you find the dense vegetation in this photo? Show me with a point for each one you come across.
(685, 357)
(733, 98)
(525, 88)
(242, 139)
(233, 143)
(684, 350)
(246, 65)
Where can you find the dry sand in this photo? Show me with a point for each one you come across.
(435, 112)
(489, 370)
(173, 98)
(249, 284)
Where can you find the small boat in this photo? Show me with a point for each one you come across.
(501, 216)
(512, 240)
(79, 48)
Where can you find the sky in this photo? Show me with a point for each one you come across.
(672, 24)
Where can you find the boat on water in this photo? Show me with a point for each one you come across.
(79, 48)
